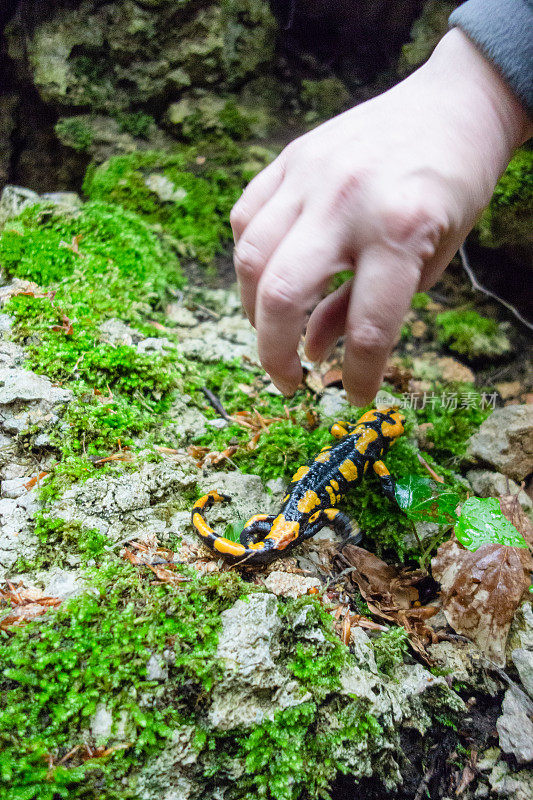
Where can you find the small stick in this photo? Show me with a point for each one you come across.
(476, 285)
(217, 405)
(430, 470)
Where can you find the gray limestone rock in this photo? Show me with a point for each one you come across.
(131, 505)
(505, 441)
(510, 785)
(114, 331)
(515, 726)
(16, 530)
(14, 200)
(248, 496)
(221, 340)
(523, 661)
(493, 484)
(253, 688)
(521, 632)
(28, 399)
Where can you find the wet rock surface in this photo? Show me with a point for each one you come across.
(505, 441)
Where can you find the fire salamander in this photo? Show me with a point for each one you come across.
(314, 492)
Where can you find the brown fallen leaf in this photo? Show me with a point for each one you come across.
(391, 594)
(26, 603)
(516, 515)
(481, 592)
(36, 478)
(202, 455)
(397, 376)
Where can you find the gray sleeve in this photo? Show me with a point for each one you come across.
(503, 31)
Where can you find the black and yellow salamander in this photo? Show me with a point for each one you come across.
(314, 492)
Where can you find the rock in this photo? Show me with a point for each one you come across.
(11, 354)
(334, 403)
(515, 727)
(218, 423)
(101, 723)
(494, 484)
(187, 423)
(27, 399)
(508, 389)
(172, 775)
(521, 632)
(55, 582)
(222, 340)
(462, 662)
(511, 785)
(17, 539)
(114, 331)
(13, 488)
(155, 344)
(286, 584)
(164, 188)
(134, 504)
(505, 441)
(254, 688)
(431, 367)
(523, 661)
(64, 201)
(181, 316)
(14, 200)
(156, 670)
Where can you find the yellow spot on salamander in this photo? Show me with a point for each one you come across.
(368, 436)
(201, 525)
(348, 470)
(322, 458)
(299, 474)
(331, 513)
(286, 498)
(380, 469)
(331, 493)
(370, 416)
(392, 430)
(227, 547)
(335, 484)
(308, 502)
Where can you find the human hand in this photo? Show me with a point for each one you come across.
(389, 190)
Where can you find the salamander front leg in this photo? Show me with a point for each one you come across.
(386, 479)
(341, 428)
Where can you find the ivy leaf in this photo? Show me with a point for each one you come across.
(482, 522)
(424, 500)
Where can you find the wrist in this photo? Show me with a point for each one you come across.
(486, 103)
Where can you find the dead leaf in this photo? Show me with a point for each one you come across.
(203, 456)
(26, 603)
(481, 592)
(36, 478)
(397, 376)
(391, 594)
(511, 508)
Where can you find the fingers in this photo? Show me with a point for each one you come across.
(291, 285)
(384, 283)
(327, 322)
(256, 194)
(259, 241)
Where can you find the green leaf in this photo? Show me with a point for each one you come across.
(424, 500)
(234, 530)
(482, 522)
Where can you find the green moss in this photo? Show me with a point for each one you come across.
(389, 649)
(60, 539)
(324, 98)
(470, 334)
(95, 649)
(188, 199)
(507, 219)
(420, 301)
(74, 132)
(137, 123)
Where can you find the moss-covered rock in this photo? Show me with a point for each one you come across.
(115, 55)
(507, 219)
(472, 335)
(324, 98)
(189, 192)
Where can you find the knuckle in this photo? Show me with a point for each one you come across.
(248, 259)
(278, 296)
(416, 225)
(368, 338)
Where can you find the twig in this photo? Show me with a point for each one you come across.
(430, 470)
(217, 405)
(476, 285)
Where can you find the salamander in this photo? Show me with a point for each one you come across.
(314, 492)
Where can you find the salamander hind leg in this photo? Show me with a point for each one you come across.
(386, 480)
(256, 527)
(331, 518)
(341, 428)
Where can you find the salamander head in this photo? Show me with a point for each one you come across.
(393, 425)
(283, 532)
